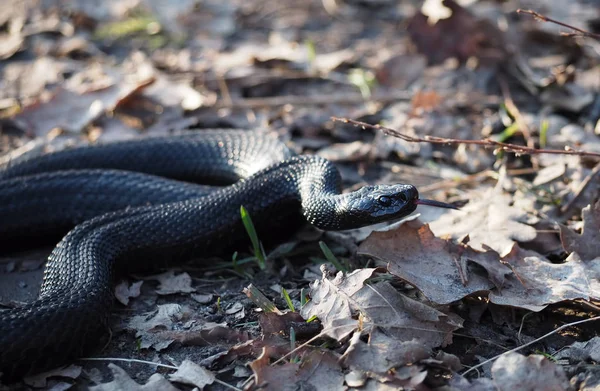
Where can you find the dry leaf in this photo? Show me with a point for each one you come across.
(124, 291)
(537, 282)
(489, 220)
(40, 380)
(332, 302)
(449, 30)
(146, 326)
(431, 264)
(316, 370)
(587, 245)
(193, 374)
(514, 371)
(171, 283)
(345, 303)
(382, 353)
(122, 381)
(581, 351)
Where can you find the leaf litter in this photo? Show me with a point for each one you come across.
(518, 260)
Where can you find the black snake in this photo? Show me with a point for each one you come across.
(125, 215)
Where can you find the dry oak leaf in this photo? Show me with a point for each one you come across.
(437, 267)
(537, 282)
(587, 245)
(316, 370)
(489, 220)
(346, 304)
(514, 371)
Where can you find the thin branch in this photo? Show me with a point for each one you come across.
(487, 143)
(564, 326)
(544, 18)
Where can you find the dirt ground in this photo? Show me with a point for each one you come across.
(493, 110)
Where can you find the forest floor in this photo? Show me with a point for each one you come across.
(476, 104)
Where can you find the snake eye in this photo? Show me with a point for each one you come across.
(402, 197)
(385, 201)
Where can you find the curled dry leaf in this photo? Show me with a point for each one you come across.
(587, 245)
(514, 371)
(346, 304)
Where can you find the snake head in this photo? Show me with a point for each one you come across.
(374, 204)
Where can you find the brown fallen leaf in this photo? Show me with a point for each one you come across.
(346, 304)
(40, 380)
(272, 323)
(445, 272)
(489, 219)
(460, 34)
(122, 381)
(193, 374)
(349, 152)
(581, 351)
(514, 371)
(318, 370)
(586, 244)
(171, 283)
(401, 70)
(431, 264)
(537, 282)
(124, 291)
(381, 353)
(82, 99)
(174, 322)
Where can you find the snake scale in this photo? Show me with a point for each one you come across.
(130, 199)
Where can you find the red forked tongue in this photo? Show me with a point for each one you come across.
(435, 203)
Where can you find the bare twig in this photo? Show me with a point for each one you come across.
(544, 18)
(487, 143)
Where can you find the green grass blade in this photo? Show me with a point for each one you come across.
(256, 245)
(288, 299)
(331, 258)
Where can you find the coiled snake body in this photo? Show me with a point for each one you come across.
(122, 214)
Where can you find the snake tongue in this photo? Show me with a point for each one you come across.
(434, 203)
